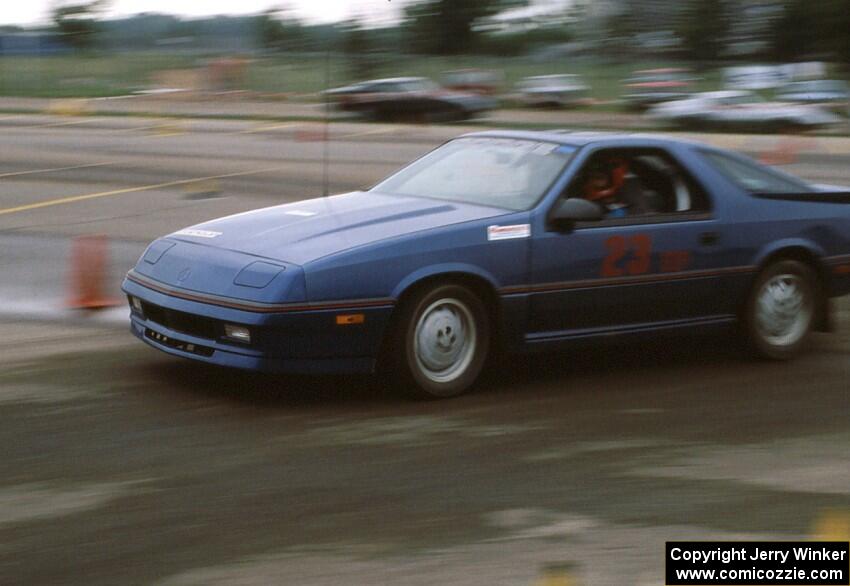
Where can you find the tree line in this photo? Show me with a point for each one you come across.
(705, 30)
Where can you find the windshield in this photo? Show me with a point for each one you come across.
(658, 78)
(819, 86)
(550, 81)
(505, 173)
(418, 85)
(741, 99)
(470, 77)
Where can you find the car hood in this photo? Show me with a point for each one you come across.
(308, 230)
(554, 89)
(652, 85)
(474, 101)
(782, 110)
(762, 110)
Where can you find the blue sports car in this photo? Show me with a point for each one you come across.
(510, 240)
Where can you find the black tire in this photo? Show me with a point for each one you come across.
(378, 115)
(446, 114)
(782, 309)
(788, 127)
(439, 309)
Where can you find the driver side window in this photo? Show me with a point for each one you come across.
(638, 184)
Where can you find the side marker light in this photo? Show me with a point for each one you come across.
(350, 319)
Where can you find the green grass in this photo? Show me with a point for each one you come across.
(308, 75)
(82, 76)
(120, 74)
(117, 74)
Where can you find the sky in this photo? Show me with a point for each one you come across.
(37, 11)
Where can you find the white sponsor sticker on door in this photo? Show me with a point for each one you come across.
(508, 232)
(198, 233)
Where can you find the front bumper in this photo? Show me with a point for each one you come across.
(474, 105)
(651, 99)
(304, 341)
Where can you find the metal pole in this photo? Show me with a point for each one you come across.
(327, 130)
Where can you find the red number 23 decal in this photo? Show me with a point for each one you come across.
(640, 246)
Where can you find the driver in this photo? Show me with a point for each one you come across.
(603, 185)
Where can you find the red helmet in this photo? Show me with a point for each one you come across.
(615, 170)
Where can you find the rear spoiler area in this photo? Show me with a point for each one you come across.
(810, 196)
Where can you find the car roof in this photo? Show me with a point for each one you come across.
(578, 138)
(817, 82)
(551, 76)
(720, 94)
(661, 71)
(394, 80)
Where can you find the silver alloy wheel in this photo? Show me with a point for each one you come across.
(445, 340)
(784, 310)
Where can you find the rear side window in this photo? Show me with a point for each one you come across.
(754, 178)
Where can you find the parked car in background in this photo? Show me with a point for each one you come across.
(740, 110)
(756, 77)
(654, 86)
(476, 81)
(409, 98)
(829, 93)
(552, 90)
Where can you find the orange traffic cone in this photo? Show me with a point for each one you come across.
(785, 153)
(312, 134)
(787, 150)
(88, 274)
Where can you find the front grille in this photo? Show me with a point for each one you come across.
(177, 344)
(185, 323)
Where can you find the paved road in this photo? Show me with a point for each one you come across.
(124, 466)
(121, 465)
(135, 179)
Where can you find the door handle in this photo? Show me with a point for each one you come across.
(709, 238)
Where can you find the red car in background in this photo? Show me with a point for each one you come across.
(475, 81)
(649, 87)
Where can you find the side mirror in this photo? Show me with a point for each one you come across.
(572, 210)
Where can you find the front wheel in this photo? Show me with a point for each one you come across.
(442, 342)
(781, 309)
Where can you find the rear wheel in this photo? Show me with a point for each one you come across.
(442, 341)
(445, 114)
(781, 309)
(790, 127)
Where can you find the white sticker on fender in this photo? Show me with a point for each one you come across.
(508, 232)
(197, 233)
(300, 213)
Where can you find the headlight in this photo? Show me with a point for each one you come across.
(136, 304)
(237, 333)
